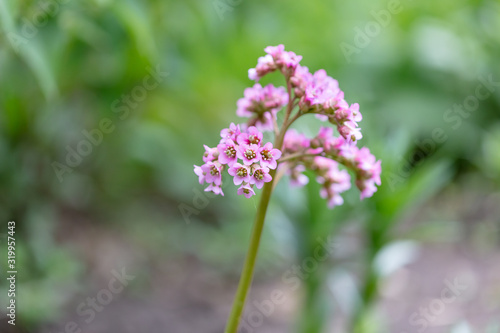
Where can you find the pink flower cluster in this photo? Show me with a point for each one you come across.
(247, 159)
(251, 162)
(261, 104)
(318, 93)
(333, 181)
(276, 58)
(323, 154)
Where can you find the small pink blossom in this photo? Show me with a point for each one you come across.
(215, 189)
(241, 173)
(249, 154)
(283, 58)
(227, 152)
(336, 145)
(297, 178)
(261, 104)
(212, 173)
(264, 122)
(347, 150)
(294, 141)
(350, 131)
(199, 172)
(354, 110)
(367, 188)
(334, 182)
(264, 66)
(369, 170)
(340, 179)
(252, 136)
(230, 133)
(246, 190)
(260, 176)
(334, 199)
(275, 51)
(325, 133)
(210, 154)
(276, 58)
(366, 161)
(342, 114)
(269, 155)
(289, 60)
(320, 89)
(335, 102)
(322, 163)
(252, 74)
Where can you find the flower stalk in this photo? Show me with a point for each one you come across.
(254, 163)
(249, 265)
(258, 226)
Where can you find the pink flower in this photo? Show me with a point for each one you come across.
(244, 106)
(325, 133)
(260, 176)
(246, 190)
(350, 131)
(297, 178)
(210, 154)
(289, 60)
(265, 65)
(241, 173)
(268, 156)
(355, 114)
(320, 94)
(369, 170)
(249, 159)
(366, 161)
(249, 154)
(276, 58)
(334, 199)
(261, 104)
(340, 179)
(199, 172)
(252, 74)
(336, 102)
(376, 171)
(300, 79)
(294, 141)
(335, 145)
(264, 122)
(283, 58)
(253, 136)
(230, 133)
(212, 173)
(320, 89)
(227, 152)
(214, 188)
(334, 182)
(367, 188)
(342, 113)
(322, 163)
(275, 51)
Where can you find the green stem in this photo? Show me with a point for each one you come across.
(248, 268)
(249, 265)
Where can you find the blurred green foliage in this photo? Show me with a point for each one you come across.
(65, 69)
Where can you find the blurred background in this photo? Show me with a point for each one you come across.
(106, 105)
